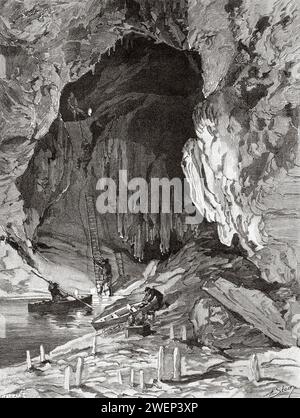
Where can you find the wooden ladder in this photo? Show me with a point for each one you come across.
(120, 264)
(93, 231)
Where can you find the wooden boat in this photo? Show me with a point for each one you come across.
(120, 315)
(59, 307)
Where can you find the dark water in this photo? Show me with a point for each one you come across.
(21, 331)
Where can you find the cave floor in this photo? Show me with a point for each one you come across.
(205, 373)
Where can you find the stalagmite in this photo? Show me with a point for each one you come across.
(2, 66)
(177, 363)
(79, 371)
(67, 378)
(28, 360)
(42, 354)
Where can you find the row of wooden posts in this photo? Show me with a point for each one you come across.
(169, 367)
(161, 366)
(94, 345)
(141, 384)
(78, 374)
(42, 357)
(68, 369)
(175, 374)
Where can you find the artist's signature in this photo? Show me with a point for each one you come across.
(281, 390)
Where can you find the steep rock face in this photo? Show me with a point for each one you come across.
(183, 279)
(241, 167)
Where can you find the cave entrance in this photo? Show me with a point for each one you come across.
(132, 112)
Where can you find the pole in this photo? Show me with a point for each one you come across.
(172, 332)
(177, 364)
(183, 333)
(41, 277)
(142, 385)
(119, 376)
(67, 293)
(42, 354)
(132, 377)
(28, 360)
(94, 346)
(79, 371)
(160, 364)
(254, 369)
(67, 378)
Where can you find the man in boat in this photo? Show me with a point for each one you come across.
(154, 295)
(56, 293)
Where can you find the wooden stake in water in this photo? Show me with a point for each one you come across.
(79, 371)
(183, 333)
(132, 377)
(177, 364)
(42, 354)
(68, 371)
(142, 384)
(94, 346)
(28, 360)
(160, 364)
(172, 333)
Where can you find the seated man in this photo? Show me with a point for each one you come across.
(155, 295)
(131, 320)
(56, 293)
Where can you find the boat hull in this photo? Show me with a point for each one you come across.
(105, 321)
(59, 307)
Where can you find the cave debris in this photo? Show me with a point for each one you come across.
(255, 307)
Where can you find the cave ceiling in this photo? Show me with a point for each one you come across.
(245, 144)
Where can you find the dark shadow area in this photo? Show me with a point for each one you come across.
(139, 99)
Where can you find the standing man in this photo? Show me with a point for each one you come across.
(107, 275)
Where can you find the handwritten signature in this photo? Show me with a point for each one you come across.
(280, 390)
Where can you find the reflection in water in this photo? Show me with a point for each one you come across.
(27, 331)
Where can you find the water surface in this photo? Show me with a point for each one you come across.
(21, 331)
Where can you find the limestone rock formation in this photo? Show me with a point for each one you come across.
(243, 165)
(241, 160)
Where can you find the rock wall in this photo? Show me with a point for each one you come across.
(243, 164)
(46, 44)
(250, 54)
(185, 279)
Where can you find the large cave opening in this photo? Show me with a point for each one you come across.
(100, 95)
(133, 112)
